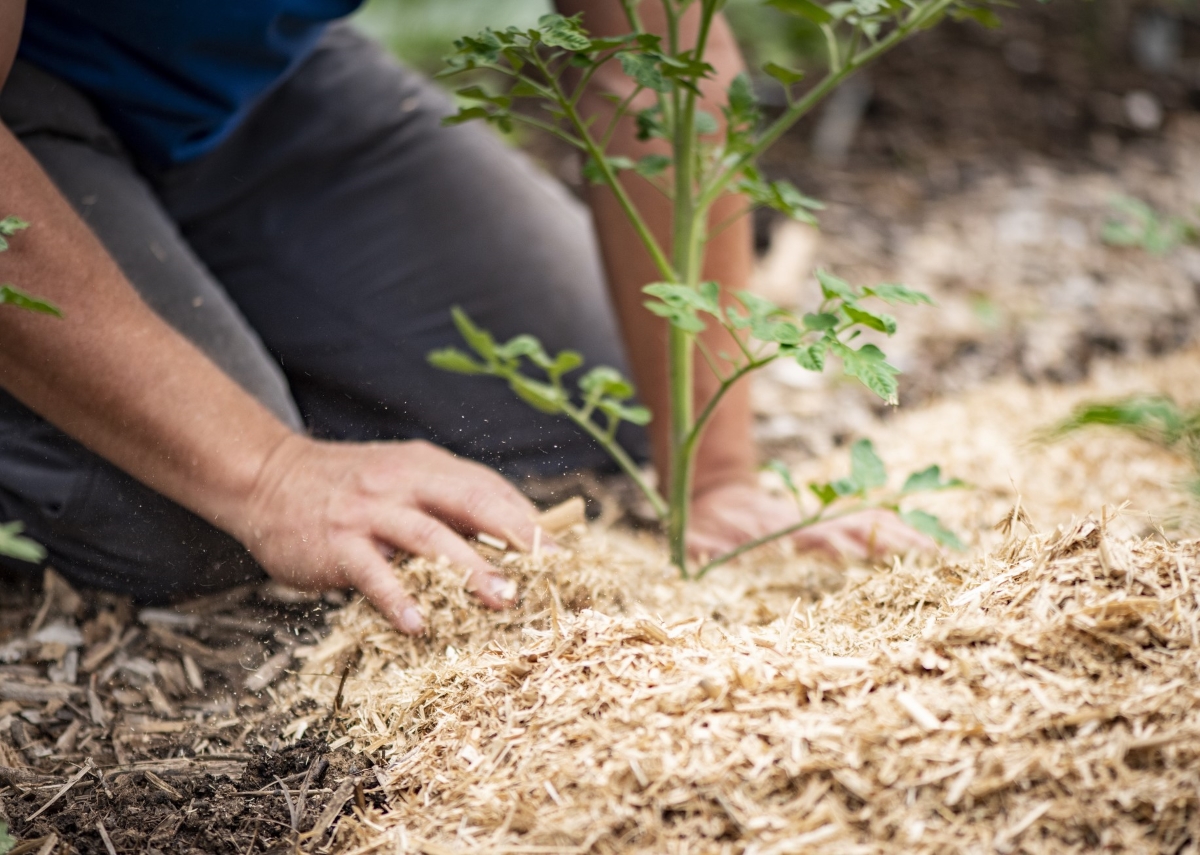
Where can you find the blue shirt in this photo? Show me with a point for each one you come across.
(174, 77)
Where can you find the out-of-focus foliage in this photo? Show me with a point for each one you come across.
(421, 32)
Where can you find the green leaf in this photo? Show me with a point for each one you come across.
(705, 123)
(812, 358)
(524, 346)
(644, 69)
(929, 479)
(986, 17)
(806, 9)
(564, 362)
(479, 340)
(652, 165)
(467, 114)
(565, 33)
(825, 493)
(894, 294)
(928, 524)
(478, 93)
(595, 175)
(870, 366)
(15, 297)
(833, 287)
(9, 226)
(453, 359)
(540, 396)
(780, 468)
(786, 76)
(743, 106)
(823, 321)
(882, 323)
(637, 414)
(866, 469)
(603, 381)
(780, 195)
(679, 304)
(649, 124)
(14, 545)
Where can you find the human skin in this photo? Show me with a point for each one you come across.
(315, 515)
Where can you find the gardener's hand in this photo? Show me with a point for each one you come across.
(726, 516)
(328, 515)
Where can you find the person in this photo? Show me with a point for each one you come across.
(254, 225)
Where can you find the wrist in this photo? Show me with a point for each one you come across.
(246, 522)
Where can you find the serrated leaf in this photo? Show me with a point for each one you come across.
(15, 297)
(452, 359)
(870, 366)
(880, 322)
(928, 524)
(683, 318)
(929, 479)
(786, 76)
(564, 362)
(644, 69)
(10, 225)
(706, 123)
(649, 124)
(893, 294)
(636, 414)
(806, 9)
(562, 32)
(866, 469)
(812, 357)
(833, 287)
(14, 545)
(825, 493)
(822, 321)
(540, 396)
(479, 340)
(742, 105)
(652, 165)
(603, 381)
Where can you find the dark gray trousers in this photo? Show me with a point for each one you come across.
(314, 257)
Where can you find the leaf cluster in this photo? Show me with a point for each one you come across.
(599, 390)
(868, 475)
(770, 332)
(1135, 224)
(1156, 419)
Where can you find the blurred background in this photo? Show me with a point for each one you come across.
(1040, 177)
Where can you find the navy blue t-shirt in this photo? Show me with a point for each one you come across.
(174, 77)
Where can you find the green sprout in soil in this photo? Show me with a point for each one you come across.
(1135, 224)
(12, 543)
(7, 841)
(1155, 419)
(550, 67)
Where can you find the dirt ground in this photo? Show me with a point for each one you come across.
(981, 167)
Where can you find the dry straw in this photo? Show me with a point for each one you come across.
(1040, 696)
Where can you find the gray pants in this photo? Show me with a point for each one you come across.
(314, 257)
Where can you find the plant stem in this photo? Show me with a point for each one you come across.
(628, 466)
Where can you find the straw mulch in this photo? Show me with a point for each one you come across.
(1039, 695)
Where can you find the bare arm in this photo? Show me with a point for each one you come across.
(727, 452)
(125, 384)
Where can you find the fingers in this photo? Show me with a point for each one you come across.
(477, 499)
(374, 578)
(423, 535)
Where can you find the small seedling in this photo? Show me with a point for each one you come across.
(1136, 224)
(12, 543)
(1155, 419)
(549, 67)
(7, 841)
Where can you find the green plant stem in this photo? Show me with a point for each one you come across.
(628, 466)
(919, 18)
(610, 179)
(761, 541)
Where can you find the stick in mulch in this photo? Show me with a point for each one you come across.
(334, 807)
(108, 844)
(79, 776)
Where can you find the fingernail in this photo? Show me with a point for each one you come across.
(504, 590)
(411, 621)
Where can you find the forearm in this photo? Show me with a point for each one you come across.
(110, 372)
(727, 450)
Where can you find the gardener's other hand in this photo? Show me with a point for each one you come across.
(726, 516)
(328, 515)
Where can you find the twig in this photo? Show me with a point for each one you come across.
(108, 844)
(79, 776)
